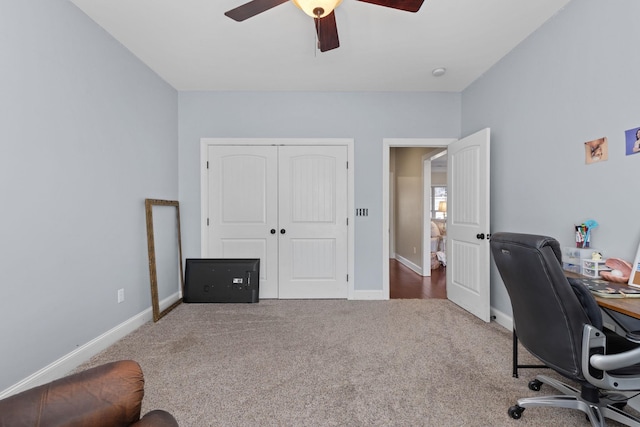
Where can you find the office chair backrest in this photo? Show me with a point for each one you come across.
(548, 315)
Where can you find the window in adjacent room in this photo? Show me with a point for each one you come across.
(438, 202)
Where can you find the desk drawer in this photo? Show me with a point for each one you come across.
(574, 268)
(590, 272)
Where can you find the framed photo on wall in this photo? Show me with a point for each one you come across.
(634, 277)
(632, 141)
(596, 150)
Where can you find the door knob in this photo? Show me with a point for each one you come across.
(480, 236)
(273, 231)
(282, 231)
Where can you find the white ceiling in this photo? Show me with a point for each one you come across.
(193, 46)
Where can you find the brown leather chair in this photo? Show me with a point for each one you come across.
(109, 395)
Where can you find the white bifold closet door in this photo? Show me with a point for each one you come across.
(286, 205)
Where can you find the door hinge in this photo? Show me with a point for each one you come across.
(347, 277)
(347, 222)
(207, 164)
(347, 165)
(207, 222)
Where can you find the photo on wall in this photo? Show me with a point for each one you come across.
(596, 150)
(632, 141)
(634, 278)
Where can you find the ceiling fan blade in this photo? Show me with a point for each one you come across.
(407, 5)
(252, 8)
(327, 31)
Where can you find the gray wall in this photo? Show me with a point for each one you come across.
(574, 80)
(366, 117)
(87, 132)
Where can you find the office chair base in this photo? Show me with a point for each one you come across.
(607, 407)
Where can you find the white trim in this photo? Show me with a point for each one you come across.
(392, 215)
(387, 143)
(502, 319)
(369, 295)
(72, 360)
(171, 299)
(348, 142)
(426, 215)
(276, 141)
(415, 267)
(68, 362)
(351, 209)
(204, 185)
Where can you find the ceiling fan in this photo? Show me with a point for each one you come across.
(322, 12)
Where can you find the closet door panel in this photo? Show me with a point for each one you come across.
(313, 214)
(286, 205)
(243, 208)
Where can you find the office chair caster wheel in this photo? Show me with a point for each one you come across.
(535, 385)
(515, 412)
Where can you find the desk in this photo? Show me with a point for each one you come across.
(627, 306)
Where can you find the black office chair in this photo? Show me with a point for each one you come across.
(560, 323)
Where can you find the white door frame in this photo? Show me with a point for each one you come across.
(387, 143)
(427, 208)
(392, 216)
(426, 215)
(348, 142)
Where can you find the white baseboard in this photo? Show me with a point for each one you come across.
(411, 265)
(70, 361)
(368, 295)
(502, 319)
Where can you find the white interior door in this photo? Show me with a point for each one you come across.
(286, 205)
(313, 222)
(243, 208)
(468, 253)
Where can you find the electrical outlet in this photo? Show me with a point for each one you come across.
(415, 250)
(120, 295)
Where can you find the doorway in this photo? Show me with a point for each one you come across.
(405, 283)
(390, 266)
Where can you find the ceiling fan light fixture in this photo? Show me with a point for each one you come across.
(317, 8)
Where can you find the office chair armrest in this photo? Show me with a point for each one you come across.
(633, 336)
(596, 366)
(594, 343)
(610, 362)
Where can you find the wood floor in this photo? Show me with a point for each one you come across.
(406, 283)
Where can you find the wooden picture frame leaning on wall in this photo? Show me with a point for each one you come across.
(158, 313)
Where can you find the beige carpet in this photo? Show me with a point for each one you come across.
(332, 363)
